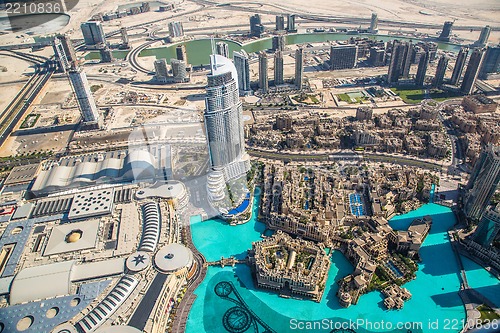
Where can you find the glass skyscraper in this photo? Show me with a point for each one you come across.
(224, 126)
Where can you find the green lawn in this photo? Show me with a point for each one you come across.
(410, 96)
(347, 99)
(415, 96)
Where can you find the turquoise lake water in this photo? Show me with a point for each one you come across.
(435, 298)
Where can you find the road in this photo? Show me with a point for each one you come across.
(16, 109)
(344, 157)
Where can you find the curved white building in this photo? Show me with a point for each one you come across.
(151, 228)
(224, 125)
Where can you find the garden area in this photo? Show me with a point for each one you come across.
(352, 97)
(410, 95)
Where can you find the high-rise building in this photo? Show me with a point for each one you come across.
(179, 71)
(459, 66)
(242, 65)
(299, 68)
(431, 47)
(222, 49)
(256, 27)
(86, 103)
(446, 32)
(64, 52)
(374, 23)
(93, 34)
(397, 61)
(124, 36)
(483, 37)
(181, 54)
(472, 71)
(409, 52)
(491, 63)
(278, 68)
(488, 229)
(291, 23)
(279, 43)
(224, 127)
(483, 182)
(343, 56)
(62, 60)
(105, 53)
(422, 69)
(280, 22)
(175, 29)
(263, 76)
(161, 70)
(377, 57)
(440, 71)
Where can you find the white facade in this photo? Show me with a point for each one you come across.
(243, 69)
(224, 124)
(86, 102)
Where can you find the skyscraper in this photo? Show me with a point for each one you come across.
(263, 76)
(256, 27)
(491, 63)
(280, 22)
(64, 52)
(278, 68)
(459, 66)
(161, 70)
(291, 23)
(409, 51)
(472, 71)
(224, 126)
(446, 32)
(175, 29)
(243, 70)
(399, 50)
(222, 49)
(488, 228)
(374, 23)
(279, 43)
(440, 71)
(181, 54)
(483, 37)
(93, 34)
(422, 69)
(377, 56)
(105, 53)
(86, 103)
(483, 182)
(343, 56)
(124, 36)
(299, 68)
(179, 71)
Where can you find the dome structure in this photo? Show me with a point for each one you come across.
(174, 258)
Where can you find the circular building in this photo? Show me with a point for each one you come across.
(174, 258)
(138, 261)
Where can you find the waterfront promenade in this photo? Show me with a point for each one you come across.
(182, 313)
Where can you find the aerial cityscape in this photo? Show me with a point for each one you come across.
(249, 166)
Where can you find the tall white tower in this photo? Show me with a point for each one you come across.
(224, 125)
(86, 102)
(242, 65)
